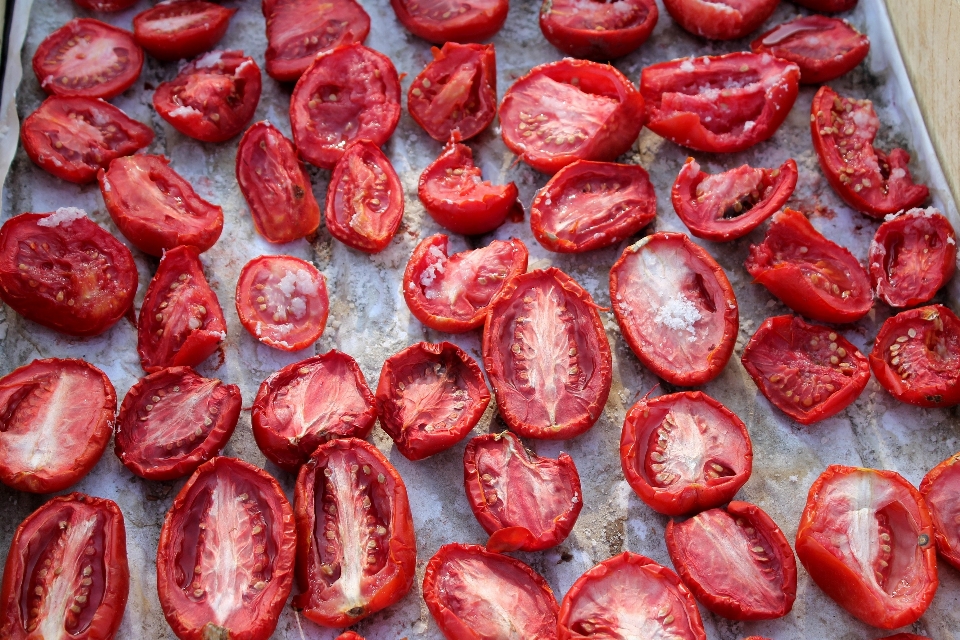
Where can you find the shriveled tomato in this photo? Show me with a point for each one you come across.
(182, 29)
(729, 205)
(570, 110)
(824, 48)
(473, 594)
(598, 30)
(348, 93)
(866, 539)
(452, 293)
(66, 574)
(720, 19)
(441, 21)
(719, 104)
(546, 355)
(64, 271)
(172, 421)
(827, 6)
(938, 489)
(105, 5)
(367, 555)
(684, 452)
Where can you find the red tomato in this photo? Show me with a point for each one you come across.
(736, 561)
(297, 30)
(592, 205)
(366, 560)
(917, 356)
(570, 110)
(455, 195)
(181, 323)
(866, 539)
(629, 596)
(348, 93)
(212, 98)
(64, 271)
(105, 5)
(824, 48)
(827, 6)
(349, 635)
(73, 138)
(57, 419)
(911, 257)
(869, 180)
(720, 19)
(429, 398)
(810, 274)
(85, 600)
(729, 205)
(474, 594)
(684, 452)
(182, 29)
(172, 421)
(441, 21)
(547, 356)
(598, 30)
(905, 636)
(939, 491)
(364, 199)
(452, 293)
(525, 502)
(282, 301)
(719, 104)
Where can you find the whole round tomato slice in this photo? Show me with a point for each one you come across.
(85, 593)
(473, 593)
(172, 421)
(441, 21)
(684, 452)
(366, 558)
(827, 6)
(88, 58)
(525, 502)
(348, 93)
(598, 30)
(182, 29)
(917, 356)
(719, 104)
(729, 205)
(73, 138)
(866, 539)
(307, 403)
(282, 301)
(871, 181)
(212, 98)
(824, 48)
(547, 356)
(736, 561)
(56, 417)
(720, 19)
(570, 110)
(429, 398)
(810, 274)
(592, 205)
(629, 596)
(64, 271)
(452, 293)
(105, 5)
(938, 489)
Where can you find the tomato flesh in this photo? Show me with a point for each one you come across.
(182, 29)
(720, 19)
(442, 21)
(105, 5)
(598, 30)
(824, 48)
(938, 489)
(827, 6)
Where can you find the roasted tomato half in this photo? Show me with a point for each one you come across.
(172, 421)
(547, 356)
(105, 5)
(719, 104)
(349, 635)
(824, 48)
(366, 557)
(939, 490)
(570, 110)
(720, 19)
(474, 593)
(181, 30)
(729, 205)
(598, 30)
(64, 271)
(866, 539)
(66, 574)
(827, 6)
(441, 21)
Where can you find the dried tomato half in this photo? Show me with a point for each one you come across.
(939, 490)
(720, 19)
(824, 48)
(598, 30)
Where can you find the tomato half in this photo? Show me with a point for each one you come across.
(720, 19)
(56, 417)
(84, 594)
(73, 138)
(212, 98)
(182, 29)
(547, 356)
(598, 30)
(348, 93)
(349, 635)
(871, 181)
(105, 5)
(917, 356)
(824, 48)
(474, 594)
(684, 452)
(729, 205)
(441, 21)
(64, 271)
(592, 205)
(367, 556)
(172, 421)
(719, 104)
(866, 539)
(570, 110)
(905, 636)
(452, 293)
(938, 489)
(629, 596)
(827, 6)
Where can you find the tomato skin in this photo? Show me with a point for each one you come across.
(349, 635)
(938, 490)
(838, 49)
(181, 30)
(723, 20)
(481, 19)
(827, 6)
(105, 5)
(573, 28)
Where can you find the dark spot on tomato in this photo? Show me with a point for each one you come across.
(298, 192)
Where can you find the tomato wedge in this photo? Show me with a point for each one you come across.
(598, 30)
(441, 21)
(182, 29)
(824, 48)
(720, 19)
(827, 6)
(939, 491)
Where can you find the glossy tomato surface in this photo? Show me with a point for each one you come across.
(720, 19)
(349, 635)
(598, 30)
(939, 490)
(182, 29)
(824, 48)
(441, 21)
